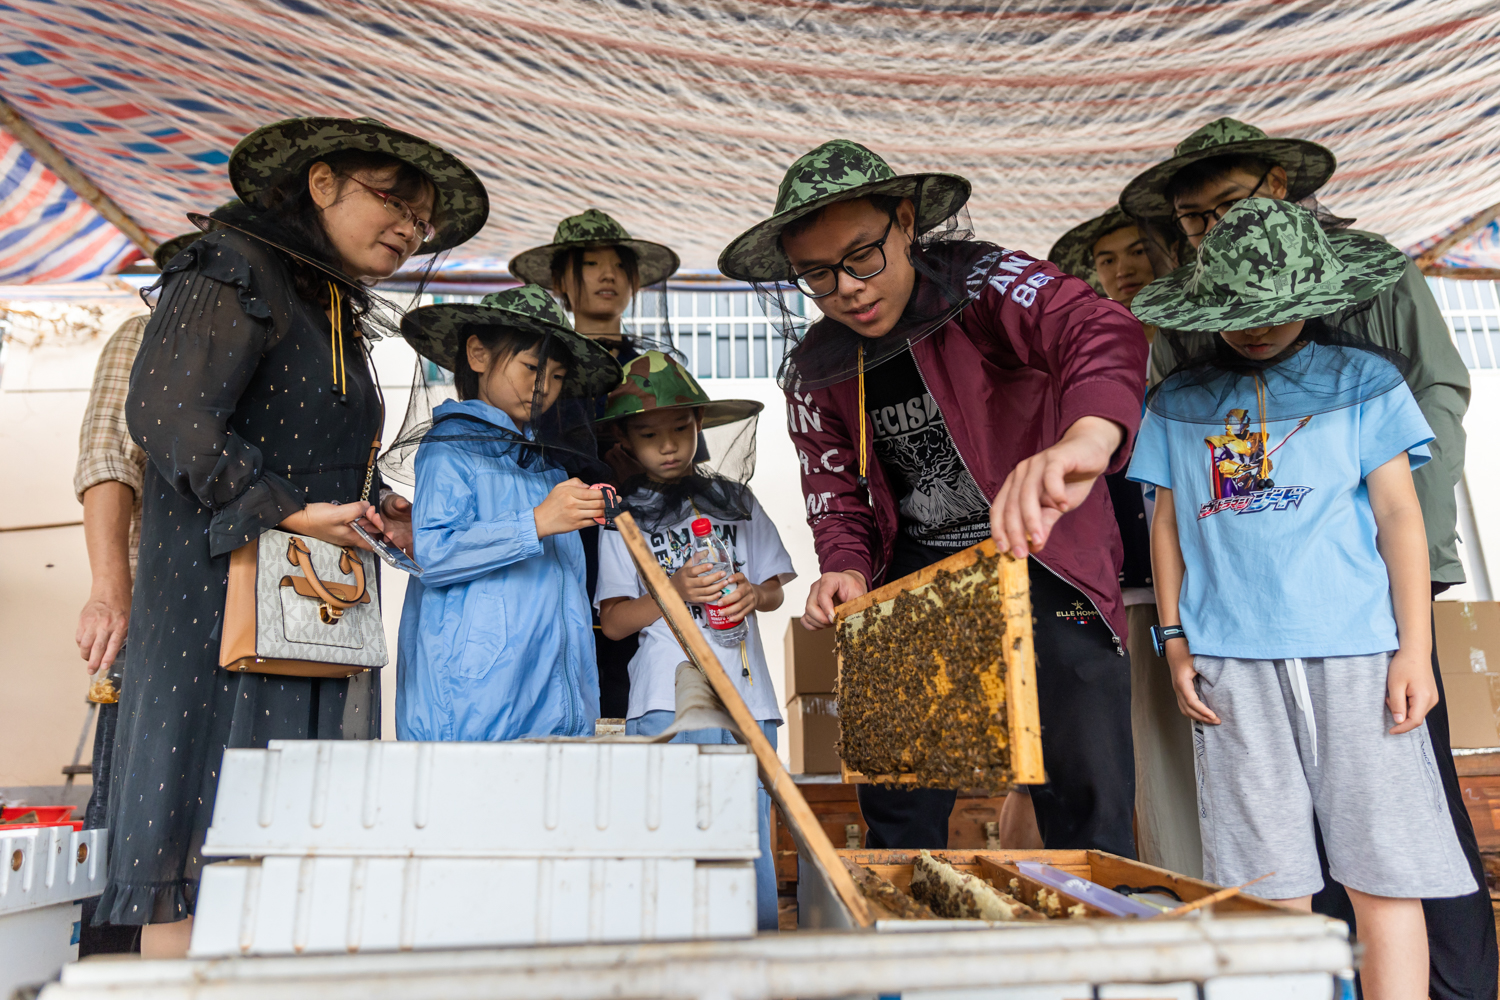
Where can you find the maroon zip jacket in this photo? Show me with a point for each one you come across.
(1011, 373)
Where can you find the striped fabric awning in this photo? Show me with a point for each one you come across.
(47, 233)
(679, 117)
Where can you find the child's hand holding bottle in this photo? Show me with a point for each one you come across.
(697, 582)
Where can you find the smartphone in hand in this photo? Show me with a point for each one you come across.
(388, 552)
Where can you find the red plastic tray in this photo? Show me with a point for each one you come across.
(45, 816)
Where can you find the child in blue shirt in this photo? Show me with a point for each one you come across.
(1290, 567)
(496, 635)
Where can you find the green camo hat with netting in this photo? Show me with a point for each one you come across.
(1268, 262)
(1074, 250)
(434, 332)
(1307, 164)
(654, 381)
(272, 152)
(593, 230)
(838, 170)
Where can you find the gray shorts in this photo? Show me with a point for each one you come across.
(1263, 776)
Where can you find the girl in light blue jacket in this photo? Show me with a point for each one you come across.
(496, 635)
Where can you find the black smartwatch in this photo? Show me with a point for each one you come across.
(1161, 633)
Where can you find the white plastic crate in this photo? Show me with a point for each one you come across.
(286, 906)
(530, 800)
(41, 866)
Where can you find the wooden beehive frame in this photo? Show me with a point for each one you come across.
(803, 823)
(1017, 653)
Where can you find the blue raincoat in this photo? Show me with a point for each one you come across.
(497, 642)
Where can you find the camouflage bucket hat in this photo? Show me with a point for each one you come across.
(838, 170)
(434, 331)
(1269, 262)
(1074, 250)
(592, 230)
(654, 381)
(272, 152)
(168, 249)
(1307, 164)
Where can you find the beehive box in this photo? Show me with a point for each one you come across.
(937, 684)
(528, 800)
(336, 905)
(1000, 869)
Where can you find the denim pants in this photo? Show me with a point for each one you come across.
(765, 866)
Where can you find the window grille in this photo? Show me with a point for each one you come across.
(1472, 309)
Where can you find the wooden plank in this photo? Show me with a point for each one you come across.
(1111, 870)
(1027, 888)
(1467, 765)
(1020, 673)
(1427, 260)
(40, 147)
(778, 783)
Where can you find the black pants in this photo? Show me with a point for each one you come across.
(1083, 693)
(1464, 961)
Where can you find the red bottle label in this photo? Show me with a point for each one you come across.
(716, 618)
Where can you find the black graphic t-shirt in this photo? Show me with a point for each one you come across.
(939, 503)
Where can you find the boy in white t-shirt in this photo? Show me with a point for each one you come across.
(657, 414)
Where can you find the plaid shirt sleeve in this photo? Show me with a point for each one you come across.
(106, 451)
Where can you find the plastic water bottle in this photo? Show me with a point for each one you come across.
(716, 556)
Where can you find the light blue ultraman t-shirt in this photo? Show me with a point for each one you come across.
(1283, 565)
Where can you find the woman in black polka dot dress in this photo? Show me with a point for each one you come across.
(255, 403)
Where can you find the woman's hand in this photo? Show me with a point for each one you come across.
(329, 522)
(570, 506)
(696, 583)
(395, 513)
(830, 590)
(1410, 691)
(1180, 660)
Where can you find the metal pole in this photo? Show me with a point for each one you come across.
(52, 157)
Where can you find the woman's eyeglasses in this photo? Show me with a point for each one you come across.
(1197, 223)
(401, 210)
(862, 262)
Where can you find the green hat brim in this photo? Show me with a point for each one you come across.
(272, 152)
(1371, 265)
(433, 332)
(716, 412)
(1074, 250)
(1307, 164)
(756, 255)
(654, 262)
(167, 249)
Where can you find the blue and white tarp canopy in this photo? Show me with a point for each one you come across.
(679, 117)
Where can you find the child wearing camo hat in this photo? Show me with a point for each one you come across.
(1292, 582)
(658, 412)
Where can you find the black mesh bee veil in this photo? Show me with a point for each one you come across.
(533, 404)
(951, 268)
(717, 487)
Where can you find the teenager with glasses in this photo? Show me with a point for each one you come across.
(954, 391)
(1215, 167)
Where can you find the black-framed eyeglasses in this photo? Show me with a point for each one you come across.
(1197, 223)
(862, 262)
(401, 210)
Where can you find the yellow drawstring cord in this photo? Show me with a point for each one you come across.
(336, 341)
(863, 481)
(1265, 436)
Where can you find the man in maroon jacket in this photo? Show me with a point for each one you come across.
(955, 390)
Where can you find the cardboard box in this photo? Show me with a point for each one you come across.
(811, 664)
(1467, 636)
(813, 728)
